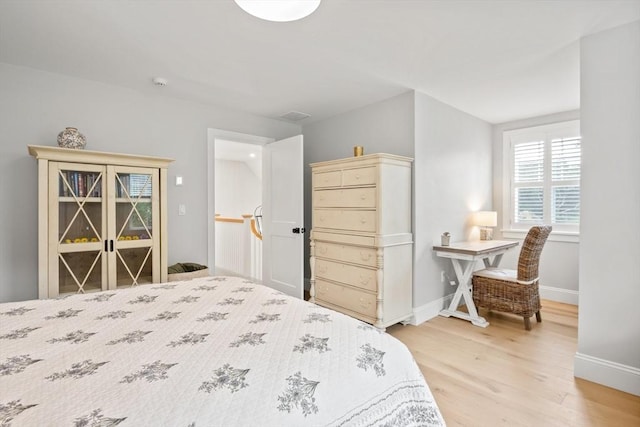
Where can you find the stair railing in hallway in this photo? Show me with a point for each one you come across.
(238, 247)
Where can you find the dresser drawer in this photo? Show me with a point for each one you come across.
(327, 179)
(345, 220)
(360, 277)
(360, 176)
(353, 254)
(345, 198)
(341, 238)
(351, 299)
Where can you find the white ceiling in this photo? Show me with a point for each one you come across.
(251, 154)
(497, 60)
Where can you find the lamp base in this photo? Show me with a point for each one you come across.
(486, 234)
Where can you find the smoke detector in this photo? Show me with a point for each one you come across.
(295, 116)
(159, 81)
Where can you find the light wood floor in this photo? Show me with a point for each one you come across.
(504, 375)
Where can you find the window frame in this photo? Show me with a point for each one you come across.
(546, 133)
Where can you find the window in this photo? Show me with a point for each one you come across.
(542, 177)
(139, 186)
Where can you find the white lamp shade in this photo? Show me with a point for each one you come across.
(485, 218)
(279, 10)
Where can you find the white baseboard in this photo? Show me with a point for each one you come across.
(566, 296)
(605, 372)
(430, 310)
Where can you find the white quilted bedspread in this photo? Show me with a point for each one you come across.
(216, 351)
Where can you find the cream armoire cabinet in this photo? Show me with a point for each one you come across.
(101, 220)
(361, 240)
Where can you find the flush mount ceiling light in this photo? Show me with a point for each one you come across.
(279, 10)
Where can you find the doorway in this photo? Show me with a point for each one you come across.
(236, 160)
(283, 208)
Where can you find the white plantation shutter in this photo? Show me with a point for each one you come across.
(565, 180)
(565, 159)
(528, 177)
(543, 177)
(528, 161)
(529, 204)
(140, 185)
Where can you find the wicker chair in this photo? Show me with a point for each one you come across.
(510, 290)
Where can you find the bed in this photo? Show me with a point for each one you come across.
(213, 351)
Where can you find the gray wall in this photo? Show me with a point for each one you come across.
(452, 169)
(384, 127)
(36, 105)
(452, 178)
(559, 260)
(609, 319)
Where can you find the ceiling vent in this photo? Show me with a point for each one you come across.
(295, 116)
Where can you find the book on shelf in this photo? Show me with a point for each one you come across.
(79, 184)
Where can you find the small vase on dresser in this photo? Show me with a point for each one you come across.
(361, 241)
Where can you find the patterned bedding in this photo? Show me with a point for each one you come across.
(214, 351)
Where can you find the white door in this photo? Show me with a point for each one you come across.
(283, 216)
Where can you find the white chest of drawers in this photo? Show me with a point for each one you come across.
(361, 241)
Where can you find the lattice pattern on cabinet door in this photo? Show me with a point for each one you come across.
(80, 203)
(142, 265)
(134, 205)
(86, 277)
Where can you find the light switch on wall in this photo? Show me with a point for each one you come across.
(182, 210)
(178, 180)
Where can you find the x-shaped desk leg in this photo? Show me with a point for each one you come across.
(494, 263)
(464, 271)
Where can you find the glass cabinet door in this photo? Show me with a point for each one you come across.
(135, 259)
(77, 224)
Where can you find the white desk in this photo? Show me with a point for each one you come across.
(463, 256)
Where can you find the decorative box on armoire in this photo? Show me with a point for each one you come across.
(361, 241)
(101, 220)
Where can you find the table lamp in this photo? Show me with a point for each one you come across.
(485, 220)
